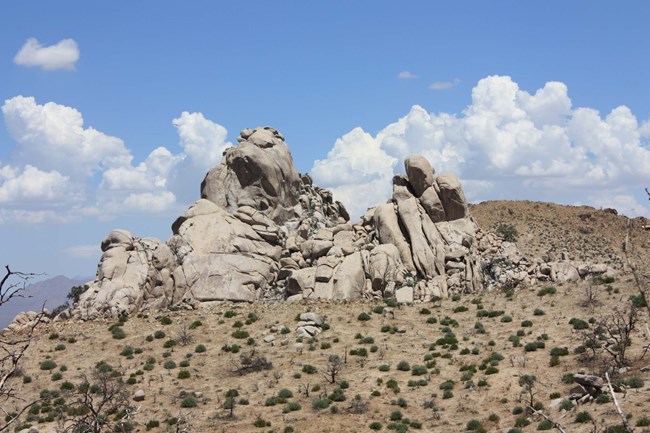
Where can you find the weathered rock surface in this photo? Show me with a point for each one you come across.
(259, 173)
(26, 320)
(262, 231)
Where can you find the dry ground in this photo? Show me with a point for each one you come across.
(547, 229)
(489, 398)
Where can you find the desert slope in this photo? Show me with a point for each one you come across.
(548, 229)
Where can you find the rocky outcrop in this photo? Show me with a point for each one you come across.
(259, 173)
(132, 274)
(27, 320)
(262, 231)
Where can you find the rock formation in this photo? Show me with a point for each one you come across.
(262, 231)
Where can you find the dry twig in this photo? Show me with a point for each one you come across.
(627, 427)
(555, 424)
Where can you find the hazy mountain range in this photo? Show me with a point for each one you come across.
(52, 292)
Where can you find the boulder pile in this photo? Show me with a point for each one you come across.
(27, 320)
(262, 231)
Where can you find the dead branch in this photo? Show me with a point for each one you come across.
(7, 292)
(628, 429)
(555, 424)
(13, 347)
(635, 272)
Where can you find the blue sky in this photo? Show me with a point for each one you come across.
(523, 100)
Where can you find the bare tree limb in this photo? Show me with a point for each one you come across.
(633, 267)
(13, 347)
(9, 291)
(555, 424)
(627, 427)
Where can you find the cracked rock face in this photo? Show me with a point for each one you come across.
(262, 231)
(259, 173)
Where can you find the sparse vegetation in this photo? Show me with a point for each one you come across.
(430, 358)
(508, 232)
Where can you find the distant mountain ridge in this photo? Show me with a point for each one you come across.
(52, 292)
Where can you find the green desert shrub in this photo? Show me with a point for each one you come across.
(188, 402)
(320, 403)
(403, 366)
(578, 324)
(240, 334)
(48, 364)
(559, 351)
(566, 404)
(292, 407)
(418, 370)
(475, 425)
(285, 393)
(337, 395)
(635, 382)
(508, 232)
(643, 422)
(118, 333)
(546, 291)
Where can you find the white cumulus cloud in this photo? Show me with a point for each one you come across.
(150, 201)
(52, 137)
(152, 173)
(201, 139)
(31, 184)
(624, 203)
(62, 55)
(507, 143)
(57, 160)
(356, 163)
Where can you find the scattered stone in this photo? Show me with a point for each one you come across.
(312, 317)
(139, 395)
(404, 295)
(588, 380)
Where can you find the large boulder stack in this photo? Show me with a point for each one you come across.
(227, 245)
(258, 173)
(132, 274)
(262, 231)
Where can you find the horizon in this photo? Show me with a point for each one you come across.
(112, 115)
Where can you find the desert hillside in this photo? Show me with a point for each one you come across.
(435, 367)
(470, 363)
(548, 229)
